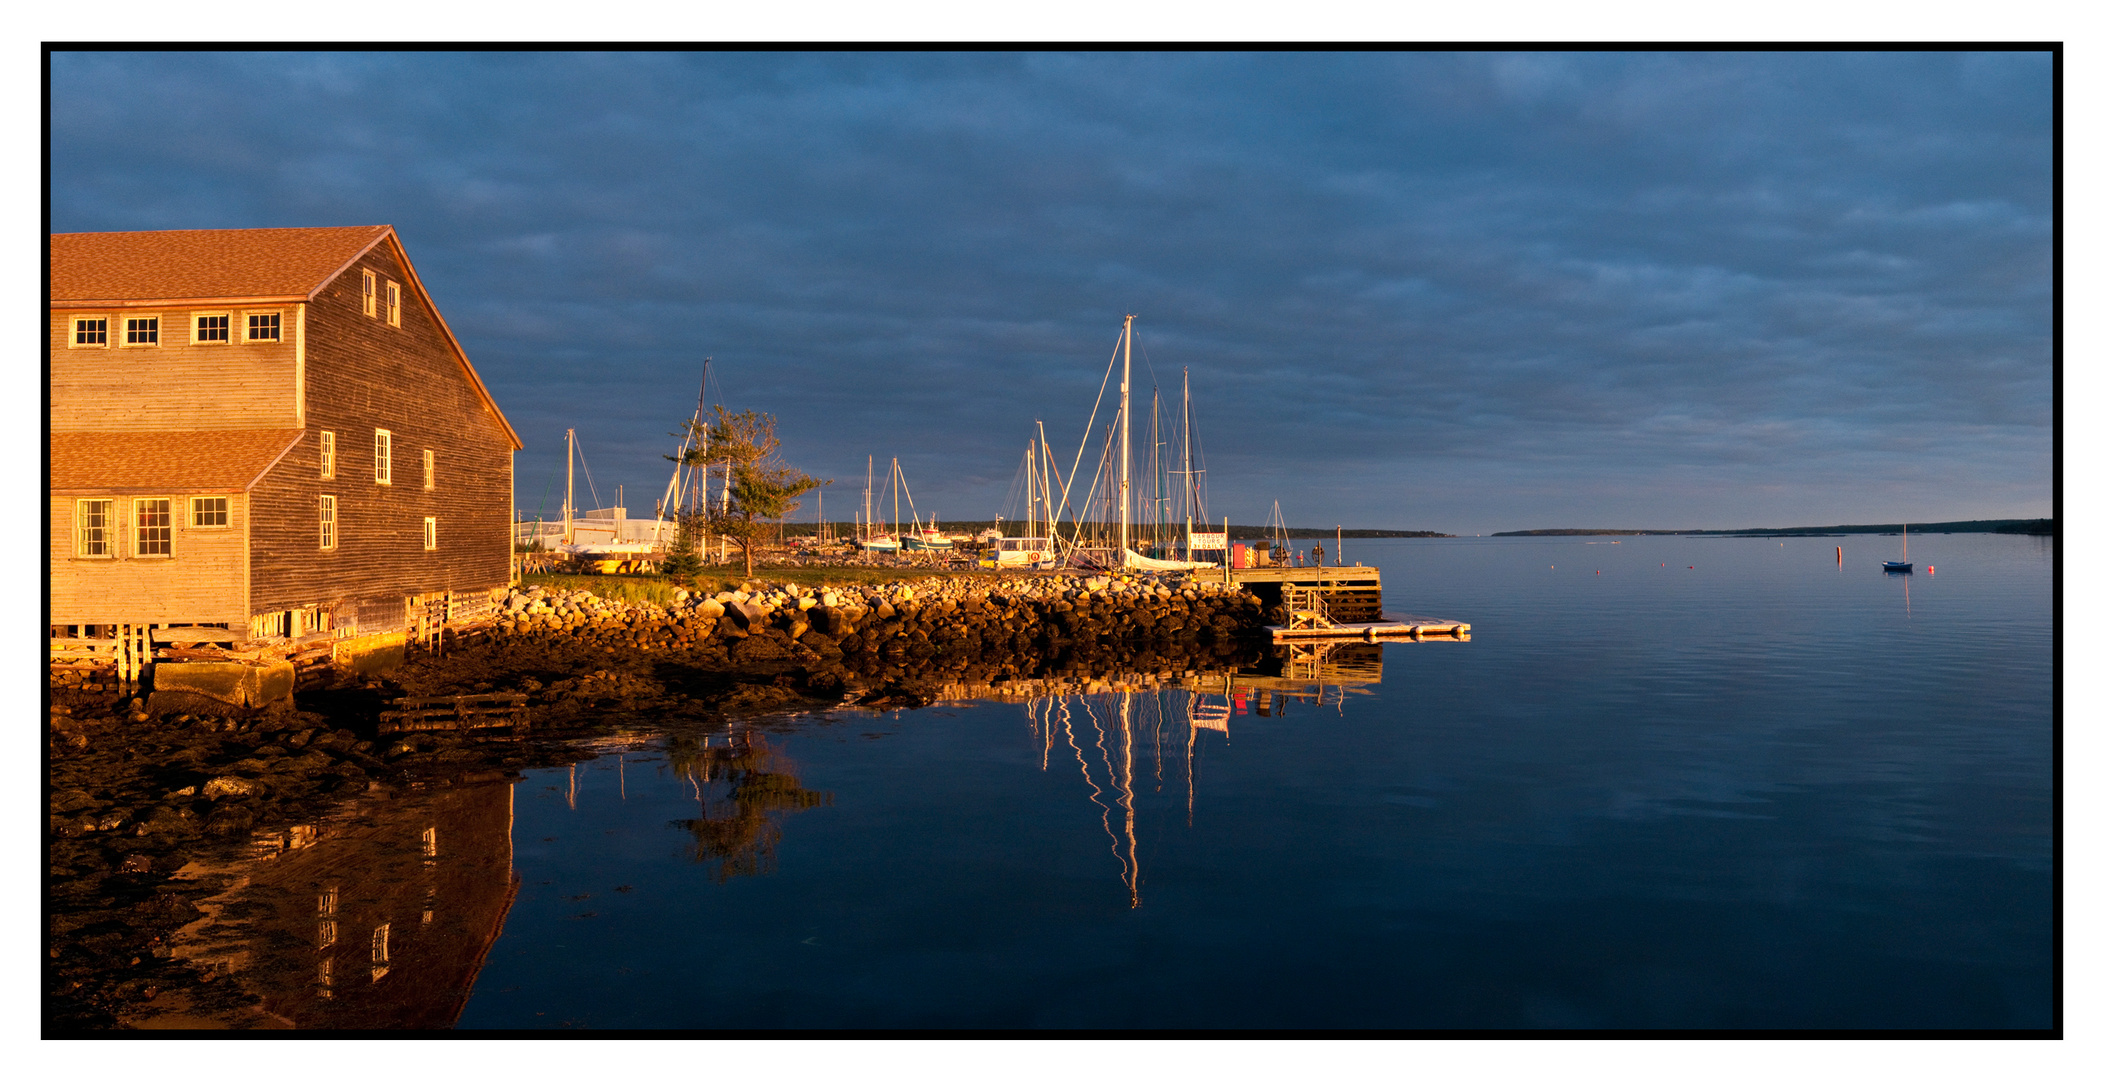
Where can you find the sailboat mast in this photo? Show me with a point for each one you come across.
(1030, 496)
(569, 479)
(1044, 464)
(700, 413)
(868, 478)
(1125, 449)
(1190, 499)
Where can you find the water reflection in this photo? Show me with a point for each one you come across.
(743, 786)
(381, 917)
(378, 917)
(1157, 708)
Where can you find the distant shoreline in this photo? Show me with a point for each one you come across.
(1235, 532)
(2018, 526)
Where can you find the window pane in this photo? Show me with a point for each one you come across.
(155, 529)
(142, 331)
(91, 331)
(328, 521)
(208, 512)
(211, 328)
(93, 516)
(263, 327)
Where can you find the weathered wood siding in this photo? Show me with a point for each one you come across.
(202, 583)
(174, 385)
(363, 374)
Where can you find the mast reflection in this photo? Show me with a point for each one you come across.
(1101, 720)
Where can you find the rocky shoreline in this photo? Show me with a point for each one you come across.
(136, 795)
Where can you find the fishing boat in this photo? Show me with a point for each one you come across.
(929, 539)
(1902, 566)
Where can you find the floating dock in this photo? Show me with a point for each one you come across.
(1410, 626)
(1333, 603)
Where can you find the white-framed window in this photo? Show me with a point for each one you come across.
(153, 528)
(328, 455)
(430, 469)
(210, 327)
(93, 528)
(142, 330)
(380, 957)
(91, 332)
(264, 326)
(383, 456)
(208, 511)
(372, 292)
(394, 304)
(430, 534)
(328, 523)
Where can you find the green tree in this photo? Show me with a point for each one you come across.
(681, 559)
(763, 487)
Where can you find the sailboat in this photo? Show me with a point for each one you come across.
(1029, 550)
(1118, 553)
(920, 539)
(1902, 566)
(871, 539)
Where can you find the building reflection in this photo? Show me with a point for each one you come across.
(379, 918)
(1113, 725)
(743, 786)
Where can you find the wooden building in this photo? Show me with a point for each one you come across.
(267, 430)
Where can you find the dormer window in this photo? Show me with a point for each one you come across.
(264, 326)
(210, 329)
(91, 332)
(394, 304)
(372, 292)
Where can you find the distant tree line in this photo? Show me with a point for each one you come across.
(844, 529)
(2026, 526)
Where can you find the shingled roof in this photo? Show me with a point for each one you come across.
(150, 269)
(164, 462)
(203, 264)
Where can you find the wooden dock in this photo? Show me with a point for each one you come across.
(1349, 593)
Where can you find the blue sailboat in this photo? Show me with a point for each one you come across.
(1902, 566)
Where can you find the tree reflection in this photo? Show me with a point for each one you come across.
(745, 787)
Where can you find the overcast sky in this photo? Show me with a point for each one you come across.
(1441, 291)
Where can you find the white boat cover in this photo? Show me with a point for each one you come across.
(1136, 561)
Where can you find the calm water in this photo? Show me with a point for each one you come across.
(1670, 782)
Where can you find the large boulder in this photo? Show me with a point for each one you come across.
(230, 682)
